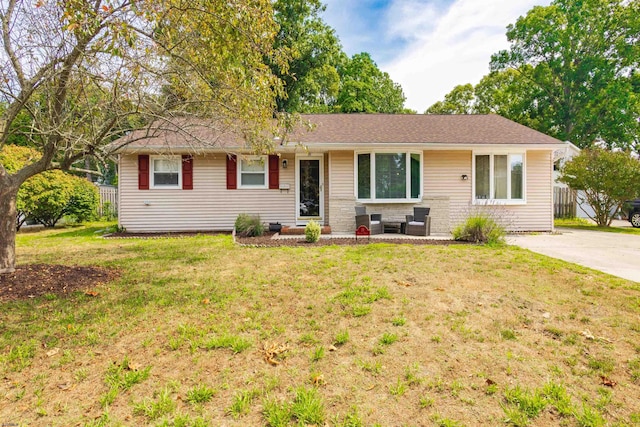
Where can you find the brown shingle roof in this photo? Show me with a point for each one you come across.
(418, 128)
(345, 130)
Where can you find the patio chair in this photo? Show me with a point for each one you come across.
(419, 224)
(373, 222)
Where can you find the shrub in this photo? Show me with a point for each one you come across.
(48, 196)
(83, 204)
(480, 228)
(312, 231)
(249, 226)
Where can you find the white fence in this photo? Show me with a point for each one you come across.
(108, 200)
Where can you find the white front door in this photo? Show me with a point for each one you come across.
(309, 189)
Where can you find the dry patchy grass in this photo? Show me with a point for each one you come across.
(198, 331)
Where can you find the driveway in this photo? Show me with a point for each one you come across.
(614, 253)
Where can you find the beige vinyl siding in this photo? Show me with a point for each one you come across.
(209, 206)
(443, 172)
(342, 174)
(442, 177)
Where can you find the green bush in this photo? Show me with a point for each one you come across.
(312, 231)
(84, 200)
(49, 196)
(480, 228)
(249, 226)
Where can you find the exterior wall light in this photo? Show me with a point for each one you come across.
(285, 163)
(464, 177)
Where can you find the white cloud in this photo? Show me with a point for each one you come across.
(447, 47)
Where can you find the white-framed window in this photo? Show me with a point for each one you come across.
(388, 176)
(166, 171)
(499, 177)
(253, 172)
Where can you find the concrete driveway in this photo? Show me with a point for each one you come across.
(614, 253)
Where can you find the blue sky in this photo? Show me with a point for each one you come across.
(428, 46)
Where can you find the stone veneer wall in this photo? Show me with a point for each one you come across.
(343, 213)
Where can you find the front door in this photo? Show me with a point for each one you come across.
(310, 191)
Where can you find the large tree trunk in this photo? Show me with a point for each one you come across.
(8, 196)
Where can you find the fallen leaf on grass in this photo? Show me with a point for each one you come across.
(403, 283)
(92, 293)
(588, 335)
(607, 381)
(65, 386)
(318, 380)
(272, 351)
(332, 348)
(52, 352)
(490, 382)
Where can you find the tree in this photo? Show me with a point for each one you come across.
(366, 89)
(311, 79)
(581, 55)
(87, 72)
(461, 100)
(607, 178)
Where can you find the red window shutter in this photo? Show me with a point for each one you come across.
(143, 172)
(232, 172)
(187, 172)
(274, 172)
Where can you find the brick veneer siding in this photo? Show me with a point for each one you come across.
(343, 213)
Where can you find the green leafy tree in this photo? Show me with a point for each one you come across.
(581, 55)
(461, 100)
(366, 89)
(82, 73)
(607, 178)
(310, 75)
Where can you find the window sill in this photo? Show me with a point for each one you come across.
(388, 201)
(498, 202)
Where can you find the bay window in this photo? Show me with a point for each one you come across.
(388, 176)
(499, 177)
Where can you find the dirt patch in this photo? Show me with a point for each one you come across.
(30, 281)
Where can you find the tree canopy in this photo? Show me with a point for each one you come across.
(318, 76)
(606, 178)
(77, 74)
(571, 72)
(366, 89)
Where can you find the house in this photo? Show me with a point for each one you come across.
(453, 164)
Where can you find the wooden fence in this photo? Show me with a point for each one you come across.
(564, 203)
(108, 201)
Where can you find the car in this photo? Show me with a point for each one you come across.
(633, 212)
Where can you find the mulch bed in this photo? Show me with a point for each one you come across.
(267, 241)
(31, 281)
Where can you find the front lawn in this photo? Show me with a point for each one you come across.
(197, 331)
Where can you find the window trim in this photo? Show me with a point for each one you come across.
(372, 165)
(152, 172)
(265, 172)
(494, 201)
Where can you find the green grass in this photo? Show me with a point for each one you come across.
(583, 224)
(197, 331)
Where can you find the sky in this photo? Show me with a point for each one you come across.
(428, 46)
